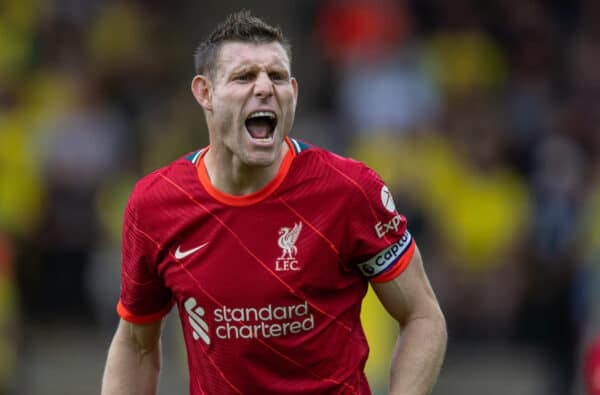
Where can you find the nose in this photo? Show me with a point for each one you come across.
(263, 86)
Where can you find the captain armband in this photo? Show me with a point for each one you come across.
(390, 262)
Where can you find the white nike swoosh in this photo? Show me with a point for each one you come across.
(182, 254)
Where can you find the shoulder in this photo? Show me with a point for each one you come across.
(159, 183)
(343, 167)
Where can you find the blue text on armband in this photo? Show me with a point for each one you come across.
(386, 258)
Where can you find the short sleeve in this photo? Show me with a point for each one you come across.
(144, 297)
(381, 245)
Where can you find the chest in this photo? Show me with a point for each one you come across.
(255, 255)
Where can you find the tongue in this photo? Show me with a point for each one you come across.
(259, 128)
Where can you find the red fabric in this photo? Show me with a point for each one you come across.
(268, 293)
(361, 27)
(592, 368)
(141, 319)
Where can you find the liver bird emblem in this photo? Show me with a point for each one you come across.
(287, 240)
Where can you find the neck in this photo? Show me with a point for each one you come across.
(230, 175)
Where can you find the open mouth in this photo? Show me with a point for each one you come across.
(261, 125)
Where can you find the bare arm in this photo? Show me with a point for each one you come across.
(134, 359)
(421, 344)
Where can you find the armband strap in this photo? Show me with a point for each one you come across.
(390, 262)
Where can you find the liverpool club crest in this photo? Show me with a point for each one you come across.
(287, 242)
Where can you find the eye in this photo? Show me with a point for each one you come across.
(243, 77)
(277, 76)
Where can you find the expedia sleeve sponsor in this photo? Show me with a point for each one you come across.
(395, 254)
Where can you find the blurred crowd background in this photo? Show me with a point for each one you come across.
(483, 117)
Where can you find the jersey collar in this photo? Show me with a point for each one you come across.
(255, 197)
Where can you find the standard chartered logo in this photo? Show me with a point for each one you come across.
(268, 321)
(199, 326)
(265, 322)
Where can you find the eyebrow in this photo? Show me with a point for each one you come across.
(244, 68)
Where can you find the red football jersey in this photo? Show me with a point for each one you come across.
(268, 285)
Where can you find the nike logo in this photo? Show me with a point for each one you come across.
(182, 254)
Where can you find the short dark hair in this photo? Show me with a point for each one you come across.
(240, 26)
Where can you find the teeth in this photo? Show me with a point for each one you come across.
(268, 114)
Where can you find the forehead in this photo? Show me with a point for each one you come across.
(235, 54)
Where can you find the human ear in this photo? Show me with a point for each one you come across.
(295, 89)
(202, 91)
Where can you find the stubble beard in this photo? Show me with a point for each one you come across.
(234, 140)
